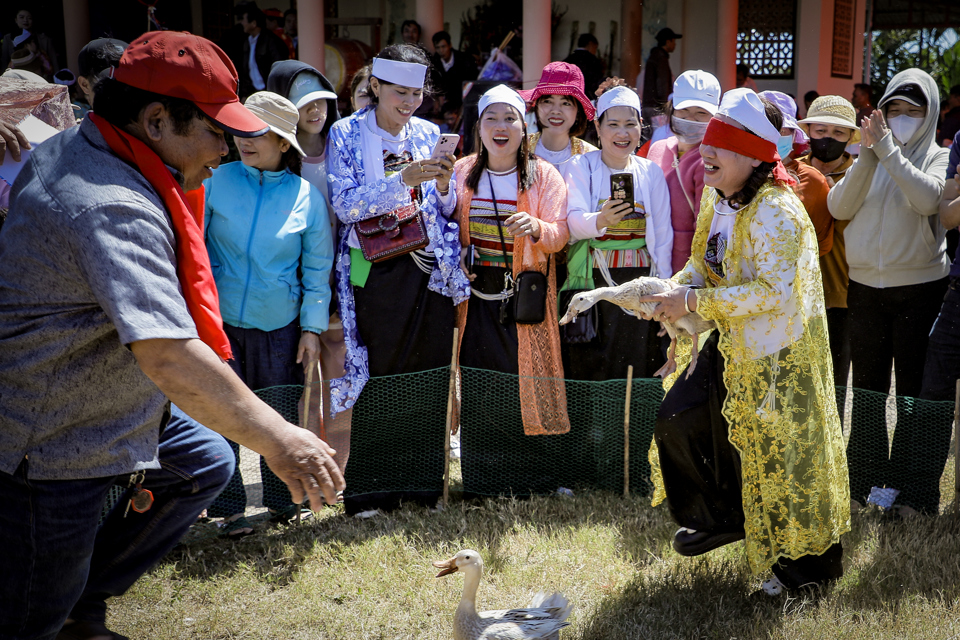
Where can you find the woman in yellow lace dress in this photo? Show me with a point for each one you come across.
(750, 445)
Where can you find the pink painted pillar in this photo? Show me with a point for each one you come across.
(76, 19)
(310, 30)
(536, 40)
(631, 31)
(727, 16)
(430, 17)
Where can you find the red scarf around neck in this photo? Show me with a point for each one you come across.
(186, 213)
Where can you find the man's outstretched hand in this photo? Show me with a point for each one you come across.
(305, 463)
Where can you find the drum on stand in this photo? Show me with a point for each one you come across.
(342, 59)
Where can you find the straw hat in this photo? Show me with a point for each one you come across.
(832, 110)
(278, 113)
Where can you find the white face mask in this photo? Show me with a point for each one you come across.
(904, 127)
(688, 131)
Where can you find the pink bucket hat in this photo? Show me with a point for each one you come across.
(561, 78)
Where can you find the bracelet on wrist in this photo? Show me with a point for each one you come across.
(309, 331)
(686, 300)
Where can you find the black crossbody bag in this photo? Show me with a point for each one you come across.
(529, 288)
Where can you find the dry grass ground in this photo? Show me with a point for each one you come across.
(339, 577)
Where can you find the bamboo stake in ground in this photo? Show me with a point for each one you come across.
(956, 452)
(449, 425)
(626, 435)
(306, 415)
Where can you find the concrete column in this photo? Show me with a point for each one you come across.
(311, 33)
(430, 16)
(631, 32)
(76, 21)
(727, 15)
(536, 40)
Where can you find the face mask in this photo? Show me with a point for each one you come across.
(903, 127)
(688, 131)
(826, 149)
(785, 146)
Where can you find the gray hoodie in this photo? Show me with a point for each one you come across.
(891, 196)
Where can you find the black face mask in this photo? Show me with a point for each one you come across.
(826, 149)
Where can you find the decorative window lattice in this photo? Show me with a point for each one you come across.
(766, 35)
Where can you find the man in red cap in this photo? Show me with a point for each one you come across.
(110, 312)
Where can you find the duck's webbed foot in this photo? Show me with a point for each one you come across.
(671, 364)
(694, 354)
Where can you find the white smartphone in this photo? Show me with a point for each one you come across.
(446, 144)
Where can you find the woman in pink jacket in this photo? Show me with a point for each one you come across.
(696, 98)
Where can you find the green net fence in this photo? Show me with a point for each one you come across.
(397, 439)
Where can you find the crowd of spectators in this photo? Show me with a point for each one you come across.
(169, 287)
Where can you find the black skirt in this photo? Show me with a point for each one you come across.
(397, 433)
(497, 457)
(622, 340)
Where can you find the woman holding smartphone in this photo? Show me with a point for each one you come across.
(398, 312)
(512, 214)
(617, 239)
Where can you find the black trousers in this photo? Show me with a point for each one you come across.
(889, 329)
(838, 326)
(701, 468)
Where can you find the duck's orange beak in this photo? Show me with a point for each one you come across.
(447, 567)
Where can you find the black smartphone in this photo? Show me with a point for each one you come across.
(621, 187)
(470, 258)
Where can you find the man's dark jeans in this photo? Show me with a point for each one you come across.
(940, 374)
(54, 560)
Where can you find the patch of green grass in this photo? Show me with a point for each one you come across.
(340, 577)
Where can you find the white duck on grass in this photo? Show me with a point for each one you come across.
(627, 295)
(541, 621)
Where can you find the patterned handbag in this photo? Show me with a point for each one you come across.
(392, 234)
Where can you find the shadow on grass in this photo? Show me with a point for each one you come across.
(275, 553)
(889, 564)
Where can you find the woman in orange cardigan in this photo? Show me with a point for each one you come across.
(512, 215)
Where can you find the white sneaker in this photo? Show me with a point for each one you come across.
(369, 513)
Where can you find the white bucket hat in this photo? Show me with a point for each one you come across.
(278, 113)
(697, 89)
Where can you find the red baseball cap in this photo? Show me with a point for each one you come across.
(182, 65)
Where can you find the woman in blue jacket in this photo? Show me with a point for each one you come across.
(271, 251)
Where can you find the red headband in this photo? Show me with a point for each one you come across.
(726, 136)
